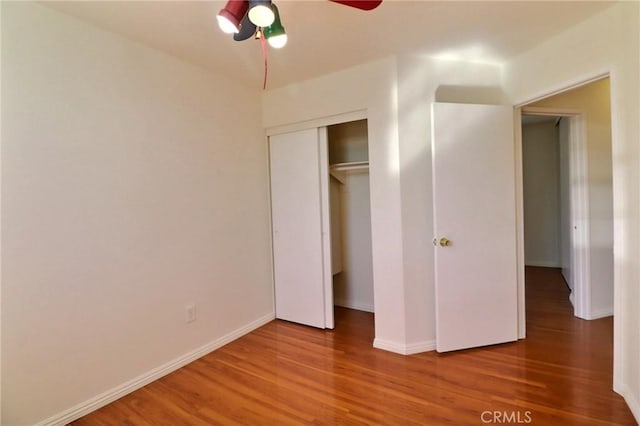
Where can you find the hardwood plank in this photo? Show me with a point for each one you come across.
(288, 374)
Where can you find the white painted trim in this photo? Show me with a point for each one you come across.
(565, 87)
(386, 345)
(629, 398)
(111, 395)
(325, 226)
(580, 217)
(267, 146)
(621, 314)
(543, 263)
(405, 349)
(602, 313)
(579, 204)
(519, 186)
(355, 305)
(318, 122)
(550, 111)
(419, 347)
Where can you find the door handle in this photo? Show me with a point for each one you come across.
(445, 242)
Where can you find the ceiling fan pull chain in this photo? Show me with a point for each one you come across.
(263, 43)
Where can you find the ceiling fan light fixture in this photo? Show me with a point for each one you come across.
(231, 15)
(226, 25)
(275, 33)
(247, 30)
(261, 13)
(278, 42)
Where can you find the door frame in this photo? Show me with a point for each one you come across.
(577, 123)
(579, 204)
(322, 122)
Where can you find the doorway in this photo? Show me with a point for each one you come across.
(576, 198)
(321, 226)
(547, 194)
(350, 206)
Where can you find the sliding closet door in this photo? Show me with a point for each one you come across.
(301, 234)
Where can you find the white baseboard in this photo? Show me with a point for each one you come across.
(542, 263)
(602, 313)
(111, 395)
(405, 349)
(631, 400)
(355, 305)
(594, 315)
(416, 348)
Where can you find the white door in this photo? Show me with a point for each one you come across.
(300, 225)
(475, 225)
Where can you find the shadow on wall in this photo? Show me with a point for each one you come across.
(471, 94)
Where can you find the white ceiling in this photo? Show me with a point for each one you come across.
(326, 37)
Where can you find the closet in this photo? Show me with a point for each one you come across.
(350, 216)
(321, 226)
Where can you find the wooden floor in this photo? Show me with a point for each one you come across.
(283, 373)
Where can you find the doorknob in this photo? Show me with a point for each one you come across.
(444, 242)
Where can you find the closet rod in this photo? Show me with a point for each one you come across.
(347, 167)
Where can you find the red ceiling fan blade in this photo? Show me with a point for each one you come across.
(360, 4)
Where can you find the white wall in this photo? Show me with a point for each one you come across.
(345, 92)
(421, 81)
(594, 100)
(606, 43)
(336, 225)
(131, 186)
(541, 186)
(397, 94)
(353, 288)
(106, 107)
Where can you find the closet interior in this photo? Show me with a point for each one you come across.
(350, 215)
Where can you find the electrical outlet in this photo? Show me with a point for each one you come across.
(190, 313)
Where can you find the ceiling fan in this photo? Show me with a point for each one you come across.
(261, 18)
